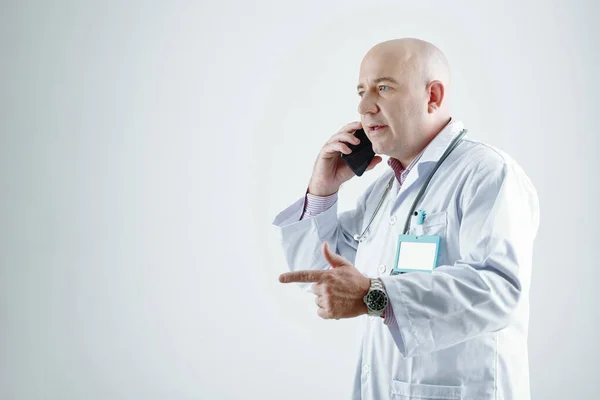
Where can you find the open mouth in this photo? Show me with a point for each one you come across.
(376, 128)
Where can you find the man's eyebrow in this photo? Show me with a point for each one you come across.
(382, 79)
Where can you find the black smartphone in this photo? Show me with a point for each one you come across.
(361, 155)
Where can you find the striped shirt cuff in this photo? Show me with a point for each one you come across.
(390, 319)
(315, 205)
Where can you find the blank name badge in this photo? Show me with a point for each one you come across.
(416, 253)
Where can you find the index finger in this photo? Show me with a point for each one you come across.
(351, 127)
(302, 276)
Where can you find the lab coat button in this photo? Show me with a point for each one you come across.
(366, 369)
(392, 220)
(382, 269)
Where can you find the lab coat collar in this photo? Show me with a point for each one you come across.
(434, 150)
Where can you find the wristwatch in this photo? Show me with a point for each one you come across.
(376, 298)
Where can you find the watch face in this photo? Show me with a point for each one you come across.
(376, 300)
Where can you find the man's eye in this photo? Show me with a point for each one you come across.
(360, 94)
(383, 86)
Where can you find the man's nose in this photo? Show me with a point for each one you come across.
(367, 105)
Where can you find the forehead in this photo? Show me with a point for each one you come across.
(383, 63)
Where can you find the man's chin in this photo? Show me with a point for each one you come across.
(378, 149)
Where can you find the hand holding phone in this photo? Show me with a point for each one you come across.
(331, 170)
(361, 155)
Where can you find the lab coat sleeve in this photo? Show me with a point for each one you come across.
(481, 290)
(302, 239)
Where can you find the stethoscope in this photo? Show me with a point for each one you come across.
(452, 146)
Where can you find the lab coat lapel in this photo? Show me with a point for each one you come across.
(431, 155)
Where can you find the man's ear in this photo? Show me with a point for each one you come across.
(435, 90)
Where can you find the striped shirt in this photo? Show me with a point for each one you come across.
(315, 205)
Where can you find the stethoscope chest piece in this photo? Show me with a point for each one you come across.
(360, 238)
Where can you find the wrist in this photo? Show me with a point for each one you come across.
(321, 192)
(365, 286)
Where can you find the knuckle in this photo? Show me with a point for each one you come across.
(332, 277)
(328, 302)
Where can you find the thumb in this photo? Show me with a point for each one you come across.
(334, 259)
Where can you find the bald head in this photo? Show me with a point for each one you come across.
(417, 59)
(403, 85)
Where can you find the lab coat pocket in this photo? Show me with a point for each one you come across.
(417, 391)
(434, 224)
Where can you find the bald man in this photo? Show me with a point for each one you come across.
(438, 250)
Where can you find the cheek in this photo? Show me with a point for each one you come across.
(408, 115)
(398, 112)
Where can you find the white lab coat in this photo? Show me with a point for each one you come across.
(461, 331)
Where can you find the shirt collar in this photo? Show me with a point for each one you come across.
(431, 153)
(399, 170)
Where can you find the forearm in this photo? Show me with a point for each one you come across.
(428, 308)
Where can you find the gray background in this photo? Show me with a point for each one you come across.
(146, 147)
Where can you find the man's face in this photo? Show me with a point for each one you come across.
(394, 98)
